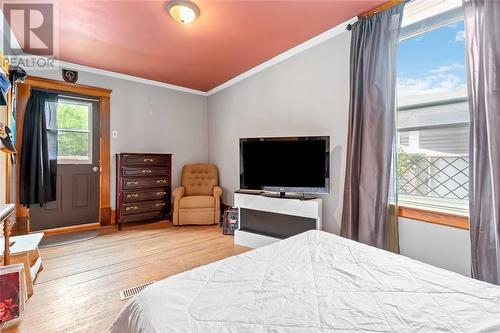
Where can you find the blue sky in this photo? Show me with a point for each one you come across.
(433, 62)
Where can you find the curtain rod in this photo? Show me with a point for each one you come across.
(379, 9)
(67, 95)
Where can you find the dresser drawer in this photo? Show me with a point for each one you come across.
(155, 194)
(132, 183)
(146, 160)
(142, 216)
(143, 206)
(144, 171)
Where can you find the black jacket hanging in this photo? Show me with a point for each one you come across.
(38, 167)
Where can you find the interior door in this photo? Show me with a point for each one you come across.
(78, 167)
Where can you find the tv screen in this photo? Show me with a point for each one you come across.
(291, 164)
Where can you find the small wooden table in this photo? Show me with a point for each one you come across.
(20, 249)
(6, 220)
(25, 251)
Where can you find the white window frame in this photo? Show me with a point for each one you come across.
(418, 27)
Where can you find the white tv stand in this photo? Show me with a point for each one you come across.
(265, 220)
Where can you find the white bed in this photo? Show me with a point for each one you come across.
(314, 282)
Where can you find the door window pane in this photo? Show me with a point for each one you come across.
(74, 120)
(73, 145)
(72, 116)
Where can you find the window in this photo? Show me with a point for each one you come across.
(433, 117)
(74, 121)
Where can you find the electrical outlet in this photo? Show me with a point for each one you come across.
(115, 134)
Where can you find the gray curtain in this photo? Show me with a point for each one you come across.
(367, 214)
(482, 35)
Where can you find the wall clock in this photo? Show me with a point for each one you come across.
(70, 76)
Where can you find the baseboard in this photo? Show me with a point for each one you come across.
(72, 228)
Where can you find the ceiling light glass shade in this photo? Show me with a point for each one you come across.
(183, 11)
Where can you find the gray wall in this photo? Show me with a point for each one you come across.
(438, 245)
(304, 95)
(151, 119)
(308, 95)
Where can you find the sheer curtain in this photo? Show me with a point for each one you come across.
(368, 215)
(482, 37)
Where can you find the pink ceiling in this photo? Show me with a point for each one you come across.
(139, 38)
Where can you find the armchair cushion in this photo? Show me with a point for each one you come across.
(197, 201)
(199, 179)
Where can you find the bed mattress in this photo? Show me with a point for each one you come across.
(314, 282)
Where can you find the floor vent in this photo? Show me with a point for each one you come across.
(131, 292)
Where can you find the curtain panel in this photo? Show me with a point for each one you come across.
(38, 164)
(482, 37)
(366, 215)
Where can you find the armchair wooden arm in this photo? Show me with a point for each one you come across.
(178, 193)
(217, 191)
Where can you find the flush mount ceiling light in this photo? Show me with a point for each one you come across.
(183, 11)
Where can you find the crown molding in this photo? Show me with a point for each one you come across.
(271, 62)
(70, 65)
(335, 31)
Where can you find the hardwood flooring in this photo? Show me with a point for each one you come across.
(78, 290)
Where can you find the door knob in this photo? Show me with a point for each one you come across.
(95, 169)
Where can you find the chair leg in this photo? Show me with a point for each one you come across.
(34, 255)
(25, 260)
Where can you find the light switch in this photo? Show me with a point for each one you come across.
(115, 134)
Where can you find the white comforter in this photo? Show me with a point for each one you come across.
(314, 282)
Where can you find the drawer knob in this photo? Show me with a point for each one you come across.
(161, 181)
(132, 208)
(160, 193)
(133, 183)
(147, 171)
(148, 160)
(133, 195)
(160, 204)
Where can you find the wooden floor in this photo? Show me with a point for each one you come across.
(78, 290)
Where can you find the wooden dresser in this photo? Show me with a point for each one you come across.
(143, 187)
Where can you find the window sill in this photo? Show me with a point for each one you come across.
(432, 216)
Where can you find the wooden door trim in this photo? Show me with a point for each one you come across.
(104, 96)
(4, 63)
(43, 83)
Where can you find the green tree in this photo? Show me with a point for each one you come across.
(73, 124)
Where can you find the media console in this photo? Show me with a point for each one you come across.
(264, 220)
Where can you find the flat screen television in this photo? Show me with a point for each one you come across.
(285, 164)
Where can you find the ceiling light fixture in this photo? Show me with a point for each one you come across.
(183, 11)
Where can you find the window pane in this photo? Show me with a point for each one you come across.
(433, 120)
(431, 66)
(73, 145)
(73, 116)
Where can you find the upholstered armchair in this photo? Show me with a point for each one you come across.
(197, 201)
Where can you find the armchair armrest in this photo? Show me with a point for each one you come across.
(217, 191)
(178, 193)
